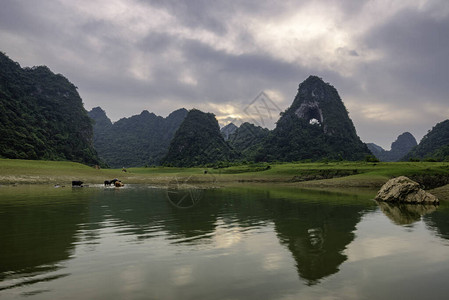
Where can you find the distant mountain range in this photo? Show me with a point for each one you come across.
(399, 148)
(141, 140)
(316, 126)
(42, 116)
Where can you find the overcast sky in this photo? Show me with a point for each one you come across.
(389, 60)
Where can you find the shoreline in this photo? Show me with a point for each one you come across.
(324, 176)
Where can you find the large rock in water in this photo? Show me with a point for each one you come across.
(404, 190)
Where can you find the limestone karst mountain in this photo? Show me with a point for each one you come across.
(315, 126)
(135, 141)
(248, 139)
(42, 116)
(198, 141)
(399, 148)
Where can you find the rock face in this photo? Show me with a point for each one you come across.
(404, 190)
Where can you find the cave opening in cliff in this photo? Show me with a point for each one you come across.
(313, 116)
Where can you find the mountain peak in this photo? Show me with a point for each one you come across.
(227, 130)
(315, 126)
(400, 147)
(404, 143)
(198, 142)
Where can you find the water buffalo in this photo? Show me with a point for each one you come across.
(77, 183)
(109, 182)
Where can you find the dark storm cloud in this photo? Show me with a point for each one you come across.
(412, 74)
(197, 13)
(416, 48)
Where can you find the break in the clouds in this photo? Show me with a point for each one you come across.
(388, 59)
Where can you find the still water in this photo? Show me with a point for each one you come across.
(143, 242)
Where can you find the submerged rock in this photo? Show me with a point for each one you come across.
(404, 190)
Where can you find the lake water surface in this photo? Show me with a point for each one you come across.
(142, 242)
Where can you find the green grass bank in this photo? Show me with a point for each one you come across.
(433, 176)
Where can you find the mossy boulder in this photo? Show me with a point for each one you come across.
(404, 190)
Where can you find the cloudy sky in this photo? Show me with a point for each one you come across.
(388, 59)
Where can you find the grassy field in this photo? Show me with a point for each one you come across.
(336, 175)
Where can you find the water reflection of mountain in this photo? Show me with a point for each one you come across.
(316, 227)
(438, 221)
(317, 232)
(145, 213)
(38, 232)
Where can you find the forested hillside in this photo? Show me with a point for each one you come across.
(316, 126)
(248, 139)
(198, 141)
(434, 145)
(42, 116)
(141, 140)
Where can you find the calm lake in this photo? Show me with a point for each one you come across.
(248, 242)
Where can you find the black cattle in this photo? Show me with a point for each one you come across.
(109, 182)
(77, 183)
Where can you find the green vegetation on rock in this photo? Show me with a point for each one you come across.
(434, 145)
(227, 130)
(198, 141)
(141, 140)
(248, 140)
(42, 116)
(315, 127)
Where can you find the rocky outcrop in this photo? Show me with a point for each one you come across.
(404, 190)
